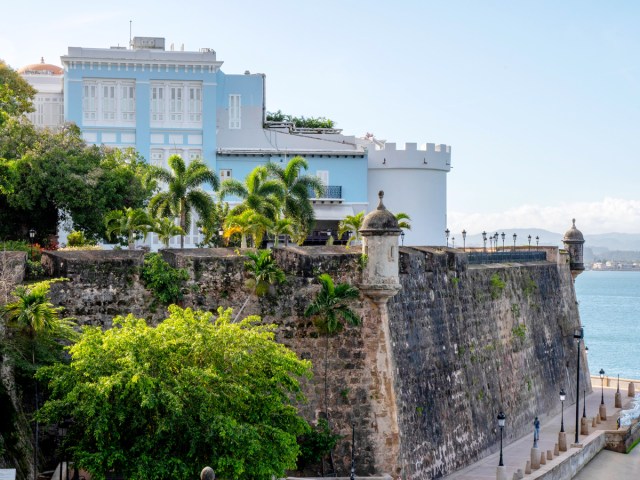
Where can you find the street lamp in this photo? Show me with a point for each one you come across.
(352, 476)
(501, 421)
(402, 237)
(484, 240)
(453, 242)
(495, 242)
(503, 235)
(515, 235)
(529, 237)
(446, 234)
(578, 334)
(464, 240)
(537, 241)
(602, 380)
(32, 234)
(563, 395)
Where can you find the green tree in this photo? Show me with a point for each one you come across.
(183, 193)
(16, 95)
(258, 193)
(351, 224)
(296, 188)
(282, 226)
(160, 402)
(130, 223)
(248, 222)
(264, 272)
(166, 229)
(213, 224)
(330, 310)
(37, 328)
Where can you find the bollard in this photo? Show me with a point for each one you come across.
(543, 458)
(618, 400)
(520, 474)
(556, 450)
(501, 473)
(549, 455)
(584, 426)
(535, 458)
(527, 468)
(631, 390)
(598, 419)
(562, 441)
(603, 411)
(594, 423)
(515, 476)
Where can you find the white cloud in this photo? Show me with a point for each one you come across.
(605, 216)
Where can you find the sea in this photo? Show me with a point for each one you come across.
(609, 305)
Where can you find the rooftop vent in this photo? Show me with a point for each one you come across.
(148, 43)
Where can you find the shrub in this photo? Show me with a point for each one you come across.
(77, 239)
(164, 281)
(497, 285)
(316, 444)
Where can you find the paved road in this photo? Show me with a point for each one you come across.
(517, 452)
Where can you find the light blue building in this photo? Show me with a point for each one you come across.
(165, 101)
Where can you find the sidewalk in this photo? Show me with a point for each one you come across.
(516, 453)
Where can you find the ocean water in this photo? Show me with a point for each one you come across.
(609, 304)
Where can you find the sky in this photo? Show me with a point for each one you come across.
(539, 100)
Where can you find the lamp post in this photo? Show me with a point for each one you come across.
(32, 234)
(563, 395)
(602, 388)
(402, 238)
(484, 241)
(515, 235)
(537, 241)
(446, 234)
(578, 334)
(453, 242)
(503, 235)
(464, 240)
(495, 242)
(529, 238)
(352, 476)
(502, 418)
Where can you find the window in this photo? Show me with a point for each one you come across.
(128, 102)
(107, 102)
(234, 112)
(90, 102)
(157, 158)
(194, 155)
(224, 174)
(195, 104)
(157, 104)
(176, 104)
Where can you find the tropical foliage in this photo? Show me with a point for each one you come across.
(164, 281)
(152, 403)
(183, 191)
(129, 224)
(245, 224)
(300, 122)
(258, 192)
(351, 224)
(264, 272)
(403, 221)
(166, 229)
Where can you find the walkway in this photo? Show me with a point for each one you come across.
(516, 453)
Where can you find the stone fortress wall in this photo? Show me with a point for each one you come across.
(466, 342)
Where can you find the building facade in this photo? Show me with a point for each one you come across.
(166, 101)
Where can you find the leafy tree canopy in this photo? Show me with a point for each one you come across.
(162, 402)
(15, 93)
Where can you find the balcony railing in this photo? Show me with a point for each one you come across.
(518, 256)
(330, 191)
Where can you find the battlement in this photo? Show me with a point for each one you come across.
(427, 156)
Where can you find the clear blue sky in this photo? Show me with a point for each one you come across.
(538, 99)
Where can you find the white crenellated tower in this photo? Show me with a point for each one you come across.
(416, 181)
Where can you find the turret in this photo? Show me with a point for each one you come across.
(380, 244)
(574, 244)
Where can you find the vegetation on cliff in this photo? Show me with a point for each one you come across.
(161, 402)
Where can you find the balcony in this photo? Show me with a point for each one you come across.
(331, 193)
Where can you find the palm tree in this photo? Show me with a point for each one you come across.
(264, 272)
(296, 204)
(166, 228)
(330, 309)
(351, 223)
(403, 220)
(249, 222)
(183, 192)
(282, 226)
(212, 225)
(35, 317)
(129, 223)
(257, 192)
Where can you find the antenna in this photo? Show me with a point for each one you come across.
(130, 41)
